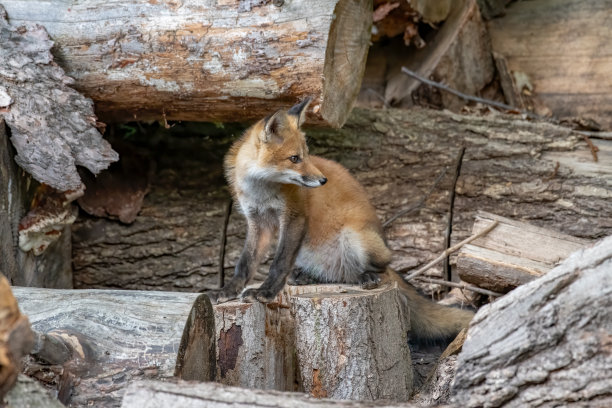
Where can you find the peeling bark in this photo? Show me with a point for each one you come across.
(213, 61)
(53, 127)
(545, 344)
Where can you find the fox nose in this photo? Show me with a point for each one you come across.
(323, 180)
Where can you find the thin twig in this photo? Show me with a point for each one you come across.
(461, 286)
(226, 217)
(452, 249)
(451, 206)
(466, 96)
(594, 149)
(594, 134)
(420, 203)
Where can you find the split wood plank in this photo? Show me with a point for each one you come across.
(513, 253)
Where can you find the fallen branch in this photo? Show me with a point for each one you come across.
(451, 250)
(461, 285)
(595, 134)
(226, 217)
(451, 206)
(467, 97)
(420, 203)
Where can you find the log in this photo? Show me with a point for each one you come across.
(513, 253)
(53, 127)
(459, 55)
(508, 169)
(52, 268)
(196, 358)
(156, 394)
(16, 338)
(112, 337)
(212, 61)
(98, 341)
(352, 343)
(547, 343)
(29, 393)
(551, 42)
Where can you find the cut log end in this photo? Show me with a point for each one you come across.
(345, 59)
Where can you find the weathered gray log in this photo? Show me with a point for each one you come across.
(352, 343)
(53, 127)
(113, 337)
(508, 169)
(513, 253)
(29, 393)
(156, 394)
(540, 44)
(215, 61)
(547, 343)
(53, 268)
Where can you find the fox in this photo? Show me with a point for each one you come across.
(328, 231)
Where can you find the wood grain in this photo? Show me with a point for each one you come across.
(513, 253)
(563, 46)
(207, 61)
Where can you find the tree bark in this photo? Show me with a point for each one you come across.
(111, 338)
(547, 343)
(53, 127)
(157, 394)
(16, 338)
(219, 61)
(512, 254)
(51, 269)
(98, 341)
(508, 169)
(29, 393)
(352, 343)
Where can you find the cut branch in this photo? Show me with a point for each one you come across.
(451, 250)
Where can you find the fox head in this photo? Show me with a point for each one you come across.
(282, 151)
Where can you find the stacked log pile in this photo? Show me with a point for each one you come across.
(509, 168)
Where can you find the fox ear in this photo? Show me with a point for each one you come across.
(272, 127)
(299, 110)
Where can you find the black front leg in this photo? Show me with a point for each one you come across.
(291, 237)
(258, 238)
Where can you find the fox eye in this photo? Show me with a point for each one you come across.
(295, 159)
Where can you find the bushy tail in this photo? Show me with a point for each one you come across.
(430, 322)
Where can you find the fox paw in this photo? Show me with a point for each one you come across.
(369, 280)
(299, 278)
(217, 296)
(257, 295)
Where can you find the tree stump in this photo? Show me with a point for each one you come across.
(208, 61)
(101, 340)
(547, 343)
(352, 343)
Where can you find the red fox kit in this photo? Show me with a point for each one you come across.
(327, 227)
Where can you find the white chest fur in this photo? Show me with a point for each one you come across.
(259, 196)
